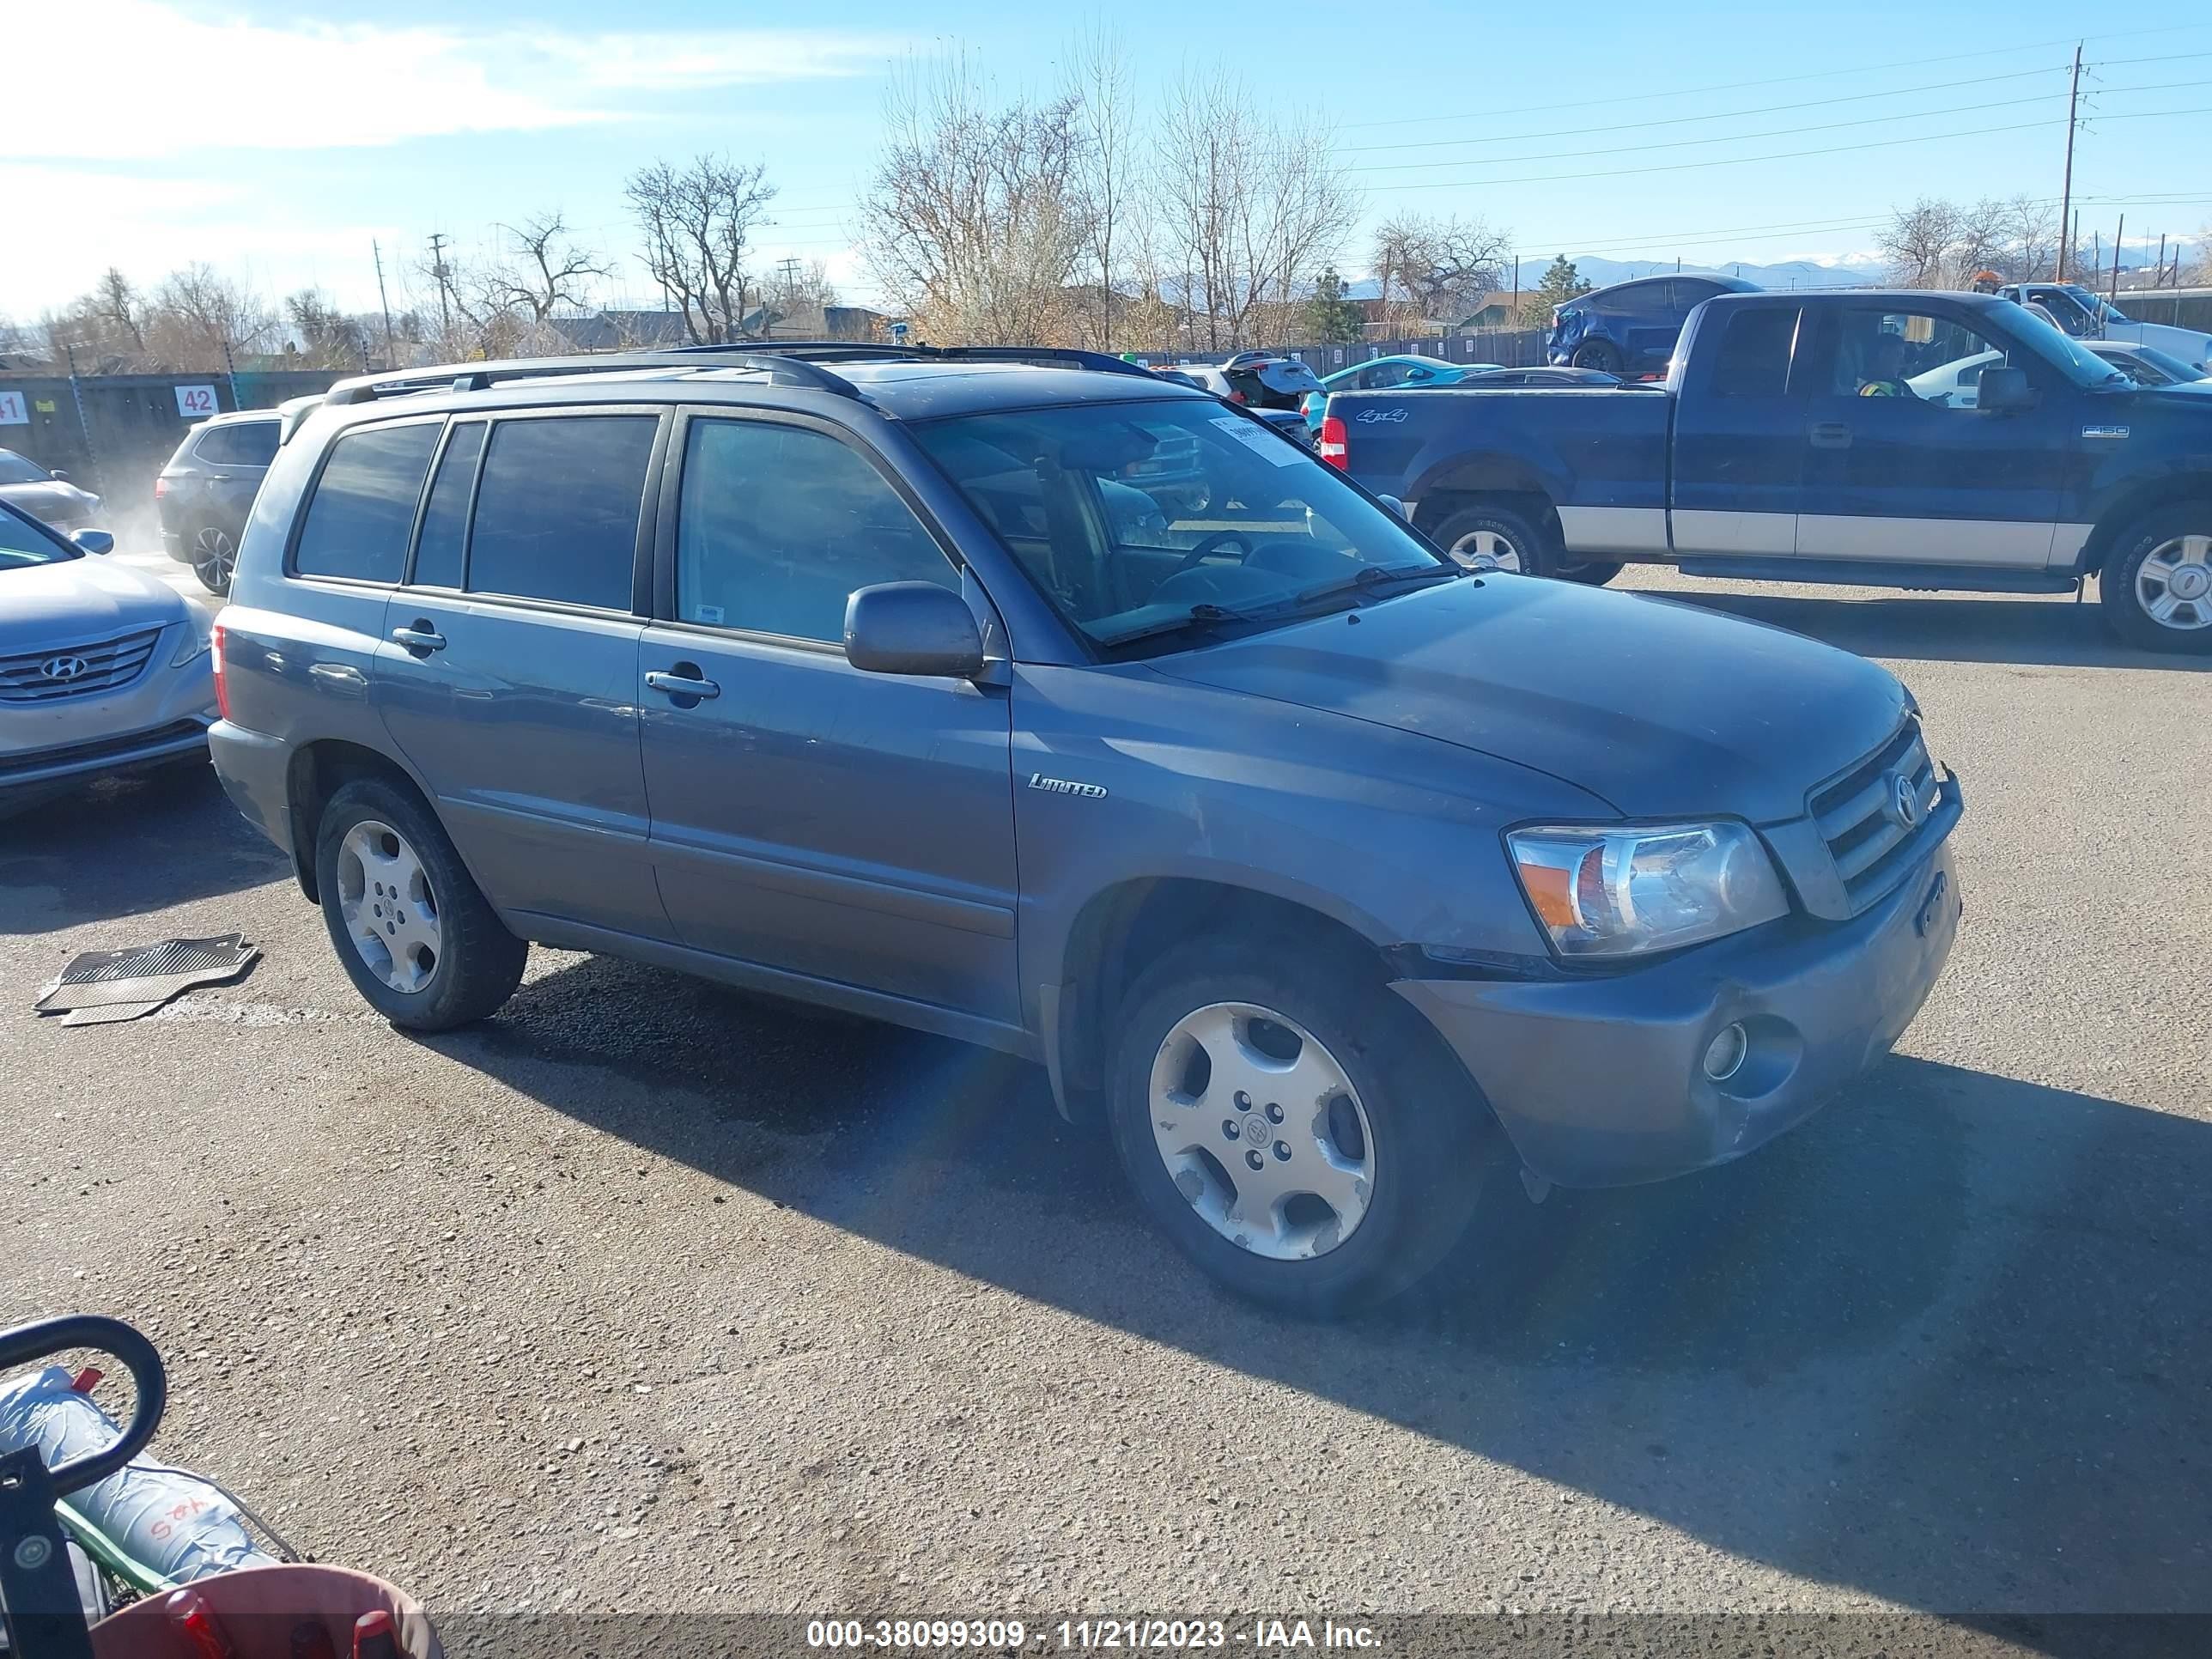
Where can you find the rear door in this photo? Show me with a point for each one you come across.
(508, 672)
(809, 818)
(1739, 436)
(1900, 464)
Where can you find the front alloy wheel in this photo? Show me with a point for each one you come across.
(2155, 589)
(390, 912)
(2173, 583)
(1261, 1131)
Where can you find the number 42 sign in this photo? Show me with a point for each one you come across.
(195, 401)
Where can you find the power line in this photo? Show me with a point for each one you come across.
(1729, 115)
(1774, 81)
(1778, 155)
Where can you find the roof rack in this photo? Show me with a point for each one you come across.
(476, 377)
(857, 351)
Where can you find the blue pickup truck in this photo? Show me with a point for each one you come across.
(1902, 440)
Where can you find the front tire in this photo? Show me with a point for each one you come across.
(1297, 1132)
(2155, 590)
(415, 933)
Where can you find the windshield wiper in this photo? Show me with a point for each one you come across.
(1199, 619)
(1368, 577)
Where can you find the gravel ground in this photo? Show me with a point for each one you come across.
(647, 1296)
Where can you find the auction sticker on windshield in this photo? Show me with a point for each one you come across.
(1261, 441)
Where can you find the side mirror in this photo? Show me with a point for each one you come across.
(57, 474)
(912, 627)
(93, 541)
(2004, 391)
(1396, 506)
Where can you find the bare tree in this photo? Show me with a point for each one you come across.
(328, 338)
(696, 222)
(974, 222)
(1246, 203)
(2031, 239)
(1099, 81)
(1918, 242)
(1443, 266)
(198, 320)
(547, 272)
(116, 302)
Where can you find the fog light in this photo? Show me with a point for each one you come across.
(1724, 1054)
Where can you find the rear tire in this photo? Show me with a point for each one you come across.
(1486, 537)
(2155, 590)
(1598, 353)
(1399, 1157)
(414, 932)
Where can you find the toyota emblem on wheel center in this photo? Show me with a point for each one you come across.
(64, 668)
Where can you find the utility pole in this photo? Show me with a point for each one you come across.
(2158, 271)
(2112, 294)
(437, 272)
(2066, 192)
(790, 282)
(383, 299)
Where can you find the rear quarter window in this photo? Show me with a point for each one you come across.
(248, 443)
(1751, 358)
(362, 510)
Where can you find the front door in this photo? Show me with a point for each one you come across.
(508, 672)
(808, 818)
(1901, 464)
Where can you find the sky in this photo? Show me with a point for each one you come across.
(286, 144)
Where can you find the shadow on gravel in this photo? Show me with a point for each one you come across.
(1946, 1344)
(121, 846)
(2060, 634)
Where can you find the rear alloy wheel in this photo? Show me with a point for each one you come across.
(215, 556)
(2156, 588)
(1487, 538)
(1295, 1128)
(1597, 354)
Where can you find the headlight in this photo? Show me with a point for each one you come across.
(192, 646)
(1631, 890)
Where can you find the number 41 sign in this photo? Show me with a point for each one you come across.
(195, 401)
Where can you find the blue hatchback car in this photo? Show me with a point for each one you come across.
(1629, 328)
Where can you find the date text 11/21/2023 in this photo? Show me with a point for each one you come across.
(1011, 1636)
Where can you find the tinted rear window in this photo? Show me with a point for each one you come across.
(1753, 359)
(249, 443)
(557, 509)
(363, 507)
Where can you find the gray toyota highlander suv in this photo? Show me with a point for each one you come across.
(1336, 881)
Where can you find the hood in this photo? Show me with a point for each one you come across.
(54, 503)
(79, 600)
(1660, 708)
(2186, 344)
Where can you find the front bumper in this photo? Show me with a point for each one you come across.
(1601, 1082)
(163, 715)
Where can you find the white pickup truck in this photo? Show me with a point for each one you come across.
(2088, 316)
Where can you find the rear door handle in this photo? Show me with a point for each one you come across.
(422, 639)
(678, 684)
(1830, 434)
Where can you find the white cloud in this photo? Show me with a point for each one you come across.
(170, 82)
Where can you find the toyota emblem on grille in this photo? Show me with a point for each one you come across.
(63, 669)
(1904, 801)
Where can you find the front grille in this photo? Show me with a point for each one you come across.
(1858, 816)
(77, 671)
(101, 748)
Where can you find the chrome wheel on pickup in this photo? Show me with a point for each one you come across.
(1487, 548)
(2156, 587)
(1261, 1131)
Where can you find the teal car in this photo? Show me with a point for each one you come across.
(1381, 373)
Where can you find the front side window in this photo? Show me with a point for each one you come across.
(1135, 519)
(1919, 357)
(557, 508)
(247, 443)
(363, 508)
(779, 524)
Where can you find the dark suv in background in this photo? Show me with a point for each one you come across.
(1629, 328)
(205, 493)
(1336, 882)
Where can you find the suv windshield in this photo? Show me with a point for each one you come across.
(22, 542)
(1139, 520)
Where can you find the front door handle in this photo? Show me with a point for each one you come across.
(1830, 434)
(422, 639)
(679, 685)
